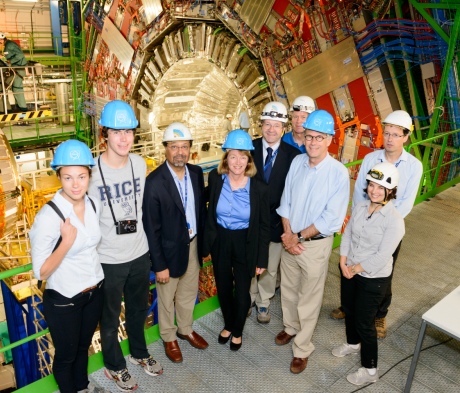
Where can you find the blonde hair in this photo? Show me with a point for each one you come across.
(250, 170)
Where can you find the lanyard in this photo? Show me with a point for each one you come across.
(271, 160)
(106, 189)
(184, 200)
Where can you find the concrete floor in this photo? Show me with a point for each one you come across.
(426, 271)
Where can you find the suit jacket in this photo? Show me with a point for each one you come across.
(165, 223)
(284, 157)
(259, 226)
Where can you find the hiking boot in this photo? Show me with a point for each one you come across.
(381, 327)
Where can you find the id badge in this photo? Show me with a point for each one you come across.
(190, 230)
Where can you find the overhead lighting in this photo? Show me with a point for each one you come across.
(27, 1)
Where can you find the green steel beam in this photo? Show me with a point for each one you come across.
(451, 52)
(420, 7)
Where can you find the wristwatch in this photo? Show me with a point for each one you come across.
(300, 237)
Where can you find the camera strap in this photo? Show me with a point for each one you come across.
(107, 193)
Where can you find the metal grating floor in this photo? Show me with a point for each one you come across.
(426, 271)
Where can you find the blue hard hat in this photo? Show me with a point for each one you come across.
(320, 121)
(237, 140)
(72, 152)
(118, 115)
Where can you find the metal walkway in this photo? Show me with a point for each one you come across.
(427, 270)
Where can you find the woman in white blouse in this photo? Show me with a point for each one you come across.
(370, 238)
(64, 237)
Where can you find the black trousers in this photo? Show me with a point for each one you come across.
(72, 322)
(361, 297)
(130, 281)
(233, 278)
(383, 308)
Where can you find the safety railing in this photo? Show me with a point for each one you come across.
(428, 188)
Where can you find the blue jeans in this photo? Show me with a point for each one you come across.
(72, 322)
(131, 281)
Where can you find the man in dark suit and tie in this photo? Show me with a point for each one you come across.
(273, 158)
(174, 215)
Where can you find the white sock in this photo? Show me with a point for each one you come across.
(371, 371)
(354, 346)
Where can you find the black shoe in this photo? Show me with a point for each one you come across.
(235, 347)
(223, 340)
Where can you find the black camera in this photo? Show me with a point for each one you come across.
(126, 226)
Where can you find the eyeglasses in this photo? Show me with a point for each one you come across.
(302, 108)
(393, 136)
(177, 148)
(318, 138)
(274, 114)
(121, 132)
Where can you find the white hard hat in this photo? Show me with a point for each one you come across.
(401, 119)
(177, 132)
(228, 116)
(303, 104)
(274, 110)
(2, 35)
(385, 174)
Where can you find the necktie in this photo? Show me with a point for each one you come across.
(268, 164)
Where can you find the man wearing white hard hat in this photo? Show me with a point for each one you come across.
(227, 123)
(174, 213)
(272, 158)
(301, 108)
(397, 128)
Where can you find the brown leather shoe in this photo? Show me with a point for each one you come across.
(283, 338)
(337, 313)
(173, 352)
(194, 339)
(298, 365)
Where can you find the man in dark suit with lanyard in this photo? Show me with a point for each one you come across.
(174, 213)
(273, 158)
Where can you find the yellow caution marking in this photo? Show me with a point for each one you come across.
(22, 116)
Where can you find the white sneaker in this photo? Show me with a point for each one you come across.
(150, 365)
(92, 388)
(362, 377)
(344, 350)
(125, 382)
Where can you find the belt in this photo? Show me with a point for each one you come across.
(98, 285)
(317, 237)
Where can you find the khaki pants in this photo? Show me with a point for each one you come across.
(302, 286)
(179, 293)
(263, 287)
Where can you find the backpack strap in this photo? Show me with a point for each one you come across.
(59, 213)
(92, 203)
